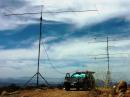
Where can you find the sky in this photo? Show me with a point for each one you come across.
(70, 41)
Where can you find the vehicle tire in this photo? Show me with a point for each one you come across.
(93, 86)
(85, 86)
(77, 87)
(67, 86)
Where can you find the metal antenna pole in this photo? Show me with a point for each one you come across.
(108, 63)
(108, 52)
(39, 52)
(108, 75)
(39, 49)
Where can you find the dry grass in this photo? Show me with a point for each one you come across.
(53, 93)
(63, 93)
(101, 92)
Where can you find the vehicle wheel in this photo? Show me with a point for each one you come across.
(67, 86)
(93, 85)
(77, 87)
(85, 86)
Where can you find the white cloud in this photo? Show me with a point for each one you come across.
(76, 50)
(18, 53)
(106, 9)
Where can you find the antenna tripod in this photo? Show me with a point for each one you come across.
(38, 74)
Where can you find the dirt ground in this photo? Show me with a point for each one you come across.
(62, 93)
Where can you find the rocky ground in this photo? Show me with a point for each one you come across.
(60, 93)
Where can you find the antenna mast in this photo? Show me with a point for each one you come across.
(39, 52)
(39, 48)
(108, 76)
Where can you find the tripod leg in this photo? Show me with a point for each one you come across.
(44, 79)
(30, 79)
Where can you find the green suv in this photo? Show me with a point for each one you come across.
(78, 80)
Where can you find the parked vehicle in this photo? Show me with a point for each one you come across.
(78, 80)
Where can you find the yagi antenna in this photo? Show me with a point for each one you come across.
(38, 74)
(108, 76)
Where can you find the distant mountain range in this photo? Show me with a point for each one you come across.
(21, 81)
(52, 81)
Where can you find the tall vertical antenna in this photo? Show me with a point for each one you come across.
(39, 49)
(39, 52)
(108, 76)
(108, 73)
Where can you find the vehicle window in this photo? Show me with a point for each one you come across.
(82, 75)
(76, 75)
(67, 75)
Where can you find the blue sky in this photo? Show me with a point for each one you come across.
(69, 38)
